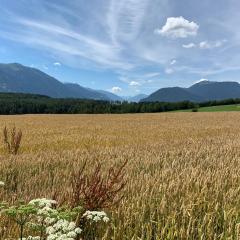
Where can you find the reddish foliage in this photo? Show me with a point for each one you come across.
(96, 191)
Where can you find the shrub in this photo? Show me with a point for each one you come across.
(96, 191)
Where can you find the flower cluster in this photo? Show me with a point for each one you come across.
(45, 211)
(63, 229)
(43, 202)
(96, 216)
(2, 184)
(51, 223)
(50, 219)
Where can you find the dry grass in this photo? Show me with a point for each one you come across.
(183, 174)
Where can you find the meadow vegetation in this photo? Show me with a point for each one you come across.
(176, 175)
(221, 108)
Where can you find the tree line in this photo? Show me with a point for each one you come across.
(15, 103)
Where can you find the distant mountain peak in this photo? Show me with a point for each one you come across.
(15, 77)
(199, 92)
(202, 82)
(14, 66)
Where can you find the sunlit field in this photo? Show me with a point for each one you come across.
(183, 170)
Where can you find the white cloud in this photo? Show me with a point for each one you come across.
(116, 89)
(152, 75)
(174, 61)
(123, 40)
(204, 45)
(211, 45)
(125, 18)
(134, 83)
(57, 64)
(178, 27)
(190, 45)
(65, 43)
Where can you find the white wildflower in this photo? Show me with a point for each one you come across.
(72, 235)
(49, 220)
(105, 219)
(96, 216)
(2, 184)
(43, 202)
(78, 230)
(63, 230)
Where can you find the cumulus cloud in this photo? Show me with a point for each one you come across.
(190, 45)
(211, 45)
(134, 83)
(178, 27)
(116, 89)
(57, 64)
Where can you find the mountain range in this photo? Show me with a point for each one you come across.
(15, 77)
(199, 92)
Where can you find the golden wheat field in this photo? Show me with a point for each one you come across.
(183, 171)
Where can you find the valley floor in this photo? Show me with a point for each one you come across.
(183, 174)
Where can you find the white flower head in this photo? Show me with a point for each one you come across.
(43, 202)
(96, 216)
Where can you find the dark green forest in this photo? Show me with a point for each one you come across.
(17, 103)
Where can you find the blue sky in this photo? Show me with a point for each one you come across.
(124, 46)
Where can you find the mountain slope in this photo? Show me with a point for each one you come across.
(111, 96)
(18, 78)
(21, 79)
(216, 90)
(81, 92)
(174, 94)
(199, 92)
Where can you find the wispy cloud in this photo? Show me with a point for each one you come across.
(211, 45)
(125, 19)
(118, 37)
(169, 70)
(151, 75)
(189, 45)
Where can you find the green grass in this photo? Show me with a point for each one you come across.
(222, 108)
